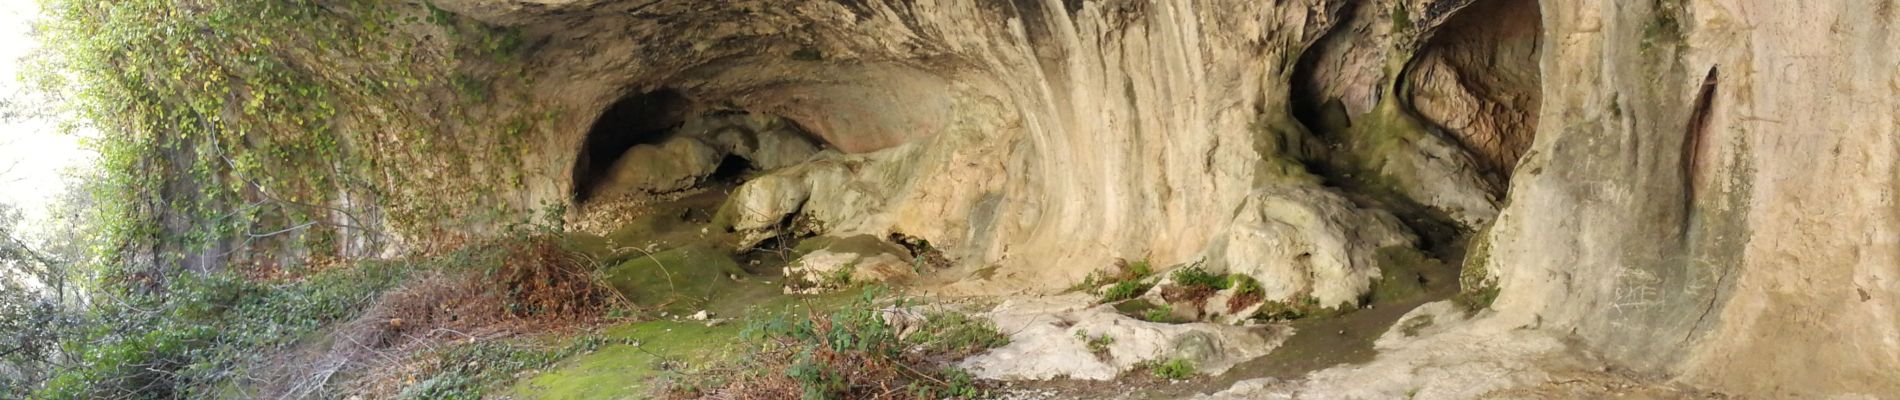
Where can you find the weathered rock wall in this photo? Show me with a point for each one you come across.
(1708, 194)
(1047, 137)
(1711, 191)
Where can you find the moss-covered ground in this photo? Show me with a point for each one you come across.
(646, 353)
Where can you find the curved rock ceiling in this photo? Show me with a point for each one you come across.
(1675, 219)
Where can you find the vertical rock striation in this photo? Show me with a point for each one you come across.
(1697, 189)
(1711, 194)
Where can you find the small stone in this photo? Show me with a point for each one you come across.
(702, 315)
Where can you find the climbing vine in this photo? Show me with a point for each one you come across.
(238, 139)
(246, 122)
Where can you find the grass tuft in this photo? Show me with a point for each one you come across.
(1176, 369)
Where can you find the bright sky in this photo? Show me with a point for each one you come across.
(32, 152)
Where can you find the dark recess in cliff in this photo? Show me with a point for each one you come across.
(638, 118)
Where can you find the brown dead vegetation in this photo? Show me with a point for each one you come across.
(522, 287)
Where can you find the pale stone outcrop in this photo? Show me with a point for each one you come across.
(1305, 243)
(828, 263)
(1711, 194)
(678, 163)
(827, 270)
(1049, 338)
(767, 142)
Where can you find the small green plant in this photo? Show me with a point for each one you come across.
(1247, 292)
(1279, 311)
(1124, 290)
(957, 335)
(839, 278)
(1192, 286)
(1097, 344)
(1173, 369)
(1197, 276)
(1241, 283)
(1159, 313)
(1126, 282)
(1139, 269)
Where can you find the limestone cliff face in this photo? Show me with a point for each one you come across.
(1045, 137)
(1697, 189)
(1711, 193)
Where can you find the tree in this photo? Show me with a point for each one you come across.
(33, 310)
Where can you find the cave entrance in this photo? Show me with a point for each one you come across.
(662, 142)
(636, 119)
(1478, 79)
(1473, 82)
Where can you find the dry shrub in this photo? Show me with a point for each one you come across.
(546, 281)
(1195, 295)
(516, 287)
(1243, 299)
(534, 280)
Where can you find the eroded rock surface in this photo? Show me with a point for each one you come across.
(677, 164)
(829, 263)
(1708, 181)
(1051, 338)
(1305, 243)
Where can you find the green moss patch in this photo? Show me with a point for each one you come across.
(680, 280)
(643, 356)
(646, 351)
(1148, 311)
(1474, 273)
(1402, 274)
(1476, 300)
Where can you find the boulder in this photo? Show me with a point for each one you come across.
(675, 164)
(758, 210)
(1305, 244)
(1051, 338)
(828, 263)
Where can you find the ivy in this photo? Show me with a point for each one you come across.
(278, 128)
(246, 117)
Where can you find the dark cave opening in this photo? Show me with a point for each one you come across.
(732, 169)
(1477, 80)
(1474, 81)
(636, 119)
(662, 142)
